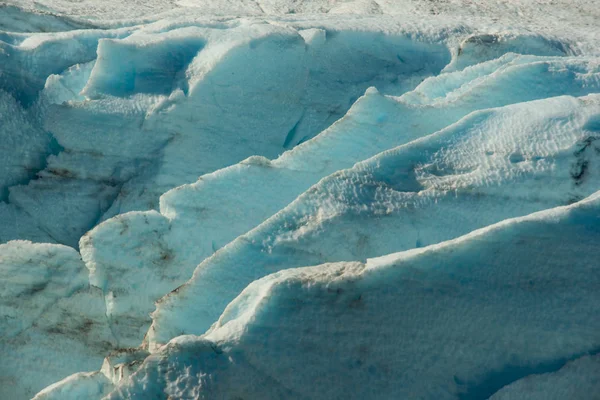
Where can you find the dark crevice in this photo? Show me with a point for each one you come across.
(291, 135)
(581, 165)
(511, 373)
(21, 20)
(53, 149)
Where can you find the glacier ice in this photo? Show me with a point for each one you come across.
(220, 199)
(208, 214)
(517, 295)
(160, 123)
(24, 149)
(16, 19)
(83, 385)
(571, 381)
(427, 191)
(53, 322)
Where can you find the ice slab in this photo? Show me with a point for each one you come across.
(457, 320)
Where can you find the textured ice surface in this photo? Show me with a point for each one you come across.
(578, 379)
(83, 385)
(518, 297)
(534, 155)
(16, 19)
(53, 322)
(162, 104)
(227, 100)
(198, 154)
(220, 206)
(138, 110)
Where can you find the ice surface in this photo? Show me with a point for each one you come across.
(578, 379)
(535, 155)
(458, 320)
(24, 148)
(135, 111)
(16, 19)
(83, 385)
(323, 131)
(53, 322)
(223, 205)
(260, 107)
(28, 60)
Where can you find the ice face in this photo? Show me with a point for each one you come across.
(195, 163)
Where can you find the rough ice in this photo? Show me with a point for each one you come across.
(231, 199)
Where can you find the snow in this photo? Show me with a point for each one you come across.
(215, 199)
(16, 19)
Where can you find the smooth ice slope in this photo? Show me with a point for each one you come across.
(208, 214)
(533, 155)
(53, 323)
(458, 320)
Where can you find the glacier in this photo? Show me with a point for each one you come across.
(316, 199)
(53, 320)
(488, 286)
(193, 215)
